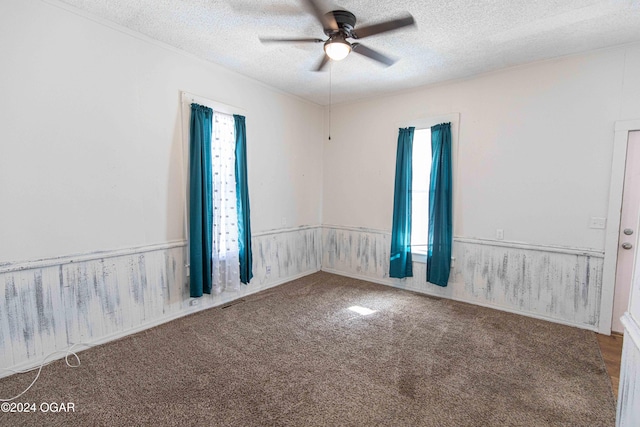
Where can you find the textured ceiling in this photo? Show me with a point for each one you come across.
(452, 39)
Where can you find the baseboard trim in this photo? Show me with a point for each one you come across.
(60, 354)
(388, 282)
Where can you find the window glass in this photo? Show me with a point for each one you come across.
(421, 170)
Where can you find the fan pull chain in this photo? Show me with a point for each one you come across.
(330, 73)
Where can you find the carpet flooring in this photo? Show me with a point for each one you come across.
(296, 355)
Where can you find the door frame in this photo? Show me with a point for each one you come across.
(620, 140)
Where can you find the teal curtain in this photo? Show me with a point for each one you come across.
(440, 236)
(200, 202)
(400, 261)
(242, 195)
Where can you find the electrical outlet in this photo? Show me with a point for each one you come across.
(268, 269)
(500, 234)
(194, 302)
(599, 223)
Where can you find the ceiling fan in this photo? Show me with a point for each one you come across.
(338, 26)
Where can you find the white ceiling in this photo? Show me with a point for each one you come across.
(452, 39)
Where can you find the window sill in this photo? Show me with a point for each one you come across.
(421, 257)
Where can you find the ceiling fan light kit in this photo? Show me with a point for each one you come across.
(338, 26)
(337, 48)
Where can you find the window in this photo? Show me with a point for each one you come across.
(217, 222)
(421, 171)
(223, 156)
(410, 240)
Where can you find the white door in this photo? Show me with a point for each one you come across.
(628, 236)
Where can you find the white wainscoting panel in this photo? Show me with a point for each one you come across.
(52, 304)
(628, 411)
(49, 305)
(282, 254)
(558, 284)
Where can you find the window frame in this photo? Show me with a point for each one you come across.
(186, 99)
(428, 122)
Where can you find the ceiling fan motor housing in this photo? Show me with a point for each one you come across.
(346, 22)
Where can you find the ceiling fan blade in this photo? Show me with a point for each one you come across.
(322, 63)
(394, 24)
(286, 40)
(377, 56)
(327, 20)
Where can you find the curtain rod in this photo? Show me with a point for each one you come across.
(214, 105)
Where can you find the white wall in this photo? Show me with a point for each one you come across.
(534, 154)
(90, 152)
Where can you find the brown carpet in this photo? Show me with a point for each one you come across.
(296, 356)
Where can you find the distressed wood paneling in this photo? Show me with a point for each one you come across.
(50, 305)
(362, 252)
(551, 283)
(288, 253)
(628, 410)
